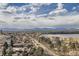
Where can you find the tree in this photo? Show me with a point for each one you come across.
(4, 51)
(9, 51)
(24, 53)
(5, 45)
(32, 51)
(12, 43)
(38, 52)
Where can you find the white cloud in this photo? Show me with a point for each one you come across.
(58, 10)
(24, 7)
(38, 22)
(60, 6)
(3, 5)
(73, 8)
(42, 22)
(42, 15)
(12, 9)
(33, 7)
(39, 4)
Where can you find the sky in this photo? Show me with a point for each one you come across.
(46, 8)
(39, 15)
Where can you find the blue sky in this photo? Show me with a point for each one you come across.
(48, 8)
(43, 8)
(69, 6)
(22, 15)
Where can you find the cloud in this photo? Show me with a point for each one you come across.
(12, 9)
(31, 20)
(3, 5)
(59, 6)
(31, 9)
(58, 10)
(36, 6)
(73, 8)
(42, 15)
(39, 4)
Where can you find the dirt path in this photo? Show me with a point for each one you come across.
(38, 44)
